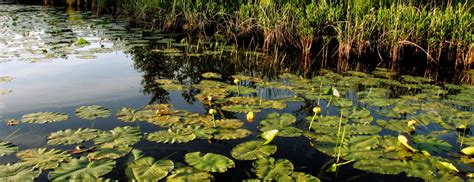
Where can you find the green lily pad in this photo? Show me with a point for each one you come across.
(109, 152)
(165, 120)
(211, 75)
(187, 173)
(132, 115)
(119, 136)
(6, 79)
(68, 136)
(92, 112)
(81, 169)
(231, 134)
(378, 102)
(303, 177)
(209, 162)
(241, 89)
(355, 113)
(43, 158)
(172, 135)
(202, 132)
(148, 169)
(227, 123)
(7, 148)
(388, 113)
(44, 117)
(252, 150)
(381, 166)
(241, 108)
(273, 104)
(432, 144)
(269, 169)
(18, 172)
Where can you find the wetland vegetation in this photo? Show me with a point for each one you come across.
(236, 90)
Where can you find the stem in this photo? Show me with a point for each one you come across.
(330, 99)
(320, 91)
(311, 123)
(213, 120)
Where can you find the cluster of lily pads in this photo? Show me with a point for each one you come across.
(3, 80)
(384, 124)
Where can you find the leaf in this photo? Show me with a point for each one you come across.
(172, 135)
(43, 158)
(231, 134)
(7, 148)
(240, 89)
(209, 162)
(269, 169)
(432, 144)
(18, 172)
(44, 117)
(252, 150)
(92, 112)
(185, 174)
(381, 166)
(211, 75)
(109, 152)
(468, 150)
(68, 136)
(165, 121)
(275, 119)
(241, 108)
(81, 169)
(147, 169)
(227, 123)
(303, 177)
(125, 135)
(131, 115)
(269, 135)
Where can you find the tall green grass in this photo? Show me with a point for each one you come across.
(326, 30)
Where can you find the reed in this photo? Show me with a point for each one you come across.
(325, 31)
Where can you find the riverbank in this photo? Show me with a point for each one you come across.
(325, 32)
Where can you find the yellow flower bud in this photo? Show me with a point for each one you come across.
(250, 116)
(236, 81)
(317, 110)
(212, 111)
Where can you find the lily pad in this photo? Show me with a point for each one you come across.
(43, 158)
(252, 150)
(119, 136)
(211, 75)
(81, 169)
(44, 117)
(231, 134)
(172, 135)
(148, 169)
(303, 177)
(132, 115)
(185, 174)
(109, 152)
(92, 112)
(241, 108)
(18, 172)
(269, 169)
(69, 136)
(7, 148)
(209, 162)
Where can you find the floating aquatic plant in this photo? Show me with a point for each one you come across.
(148, 169)
(92, 112)
(269, 169)
(252, 150)
(44, 117)
(172, 135)
(119, 136)
(69, 136)
(43, 158)
(209, 162)
(81, 169)
(18, 172)
(7, 148)
(188, 174)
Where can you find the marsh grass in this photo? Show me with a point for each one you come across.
(325, 32)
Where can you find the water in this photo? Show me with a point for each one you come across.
(118, 69)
